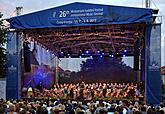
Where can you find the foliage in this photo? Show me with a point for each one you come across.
(3, 31)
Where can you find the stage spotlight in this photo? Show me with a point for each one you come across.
(91, 56)
(101, 56)
(112, 55)
(102, 53)
(47, 50)
(98, 51)
(125, 50)
(87, 51)
(53, 54)
(80, 57)
(124, 55)
(62, 52)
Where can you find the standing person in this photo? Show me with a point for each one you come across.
(104, 90)
(66, 91)
(30, 92)
(92, 92)
(40, 87)
(82, 86)
(71, 93)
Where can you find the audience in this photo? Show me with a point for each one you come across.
(77, 107)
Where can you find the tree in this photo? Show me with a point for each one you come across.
(3, 33)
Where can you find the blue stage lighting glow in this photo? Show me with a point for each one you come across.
(124, 55)
(101, 56)
(91, 56)
(112, 55)
(62, 52)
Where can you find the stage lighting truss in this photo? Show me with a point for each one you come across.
(107, 39)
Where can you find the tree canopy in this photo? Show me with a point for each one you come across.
(3, 31)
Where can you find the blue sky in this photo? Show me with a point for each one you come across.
(7, 8)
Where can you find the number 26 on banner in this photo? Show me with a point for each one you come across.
(64, 13)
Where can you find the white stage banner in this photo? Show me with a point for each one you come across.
(3, 89)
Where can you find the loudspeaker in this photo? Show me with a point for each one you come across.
(26, 54)
(136, 54)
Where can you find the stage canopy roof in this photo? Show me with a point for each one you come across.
(90, 27)
(81, 14)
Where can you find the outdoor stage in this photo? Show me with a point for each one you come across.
(80, 30)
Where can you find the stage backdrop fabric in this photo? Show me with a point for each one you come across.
(153, 64)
